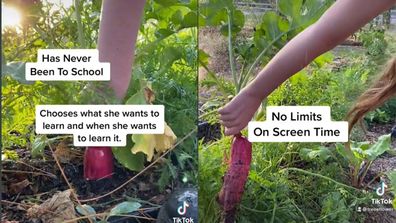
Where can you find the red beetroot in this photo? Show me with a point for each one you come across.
(235, 178)
(98, 163)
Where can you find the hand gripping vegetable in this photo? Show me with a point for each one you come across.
(235, 178)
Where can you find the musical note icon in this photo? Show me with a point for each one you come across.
(381, 189)
(183, 209)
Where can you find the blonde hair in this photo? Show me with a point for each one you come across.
(379, 92)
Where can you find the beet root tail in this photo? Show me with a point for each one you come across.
(229, 216)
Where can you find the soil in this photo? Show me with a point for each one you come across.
(31, 181)
(212, 42)
(208, 132)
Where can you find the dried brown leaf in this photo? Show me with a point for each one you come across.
(64, 153)
(149, 95)
(56, 209)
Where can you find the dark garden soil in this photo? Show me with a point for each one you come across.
(31, 181)
(208, 132)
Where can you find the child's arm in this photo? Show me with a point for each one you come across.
(342, 19)
(118, 30)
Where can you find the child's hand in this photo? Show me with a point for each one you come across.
(239, 111)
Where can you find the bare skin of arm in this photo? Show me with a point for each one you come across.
(119, 26)
(341, 20)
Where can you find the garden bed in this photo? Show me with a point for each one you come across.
(30, 181)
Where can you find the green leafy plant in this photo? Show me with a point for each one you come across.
(360, 156)
(9, 155)
(275, 29)
(335, 203)
(383, 114)
(392, 177)
(320, 153)
(373, 40)
(21, 45)
(323, 86)
(288, 182)
(378, 116)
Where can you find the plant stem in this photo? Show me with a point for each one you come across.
(241, 75)
(355, 170)
(207, 114)
(364, 173)
(299, 210)
(259, 57)
(80, 28)
(273, 211)
(355, 177)
(320, 176)
(215, 78)
(231, 51)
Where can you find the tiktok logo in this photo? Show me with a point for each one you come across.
(183, 209)
(381, 189)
